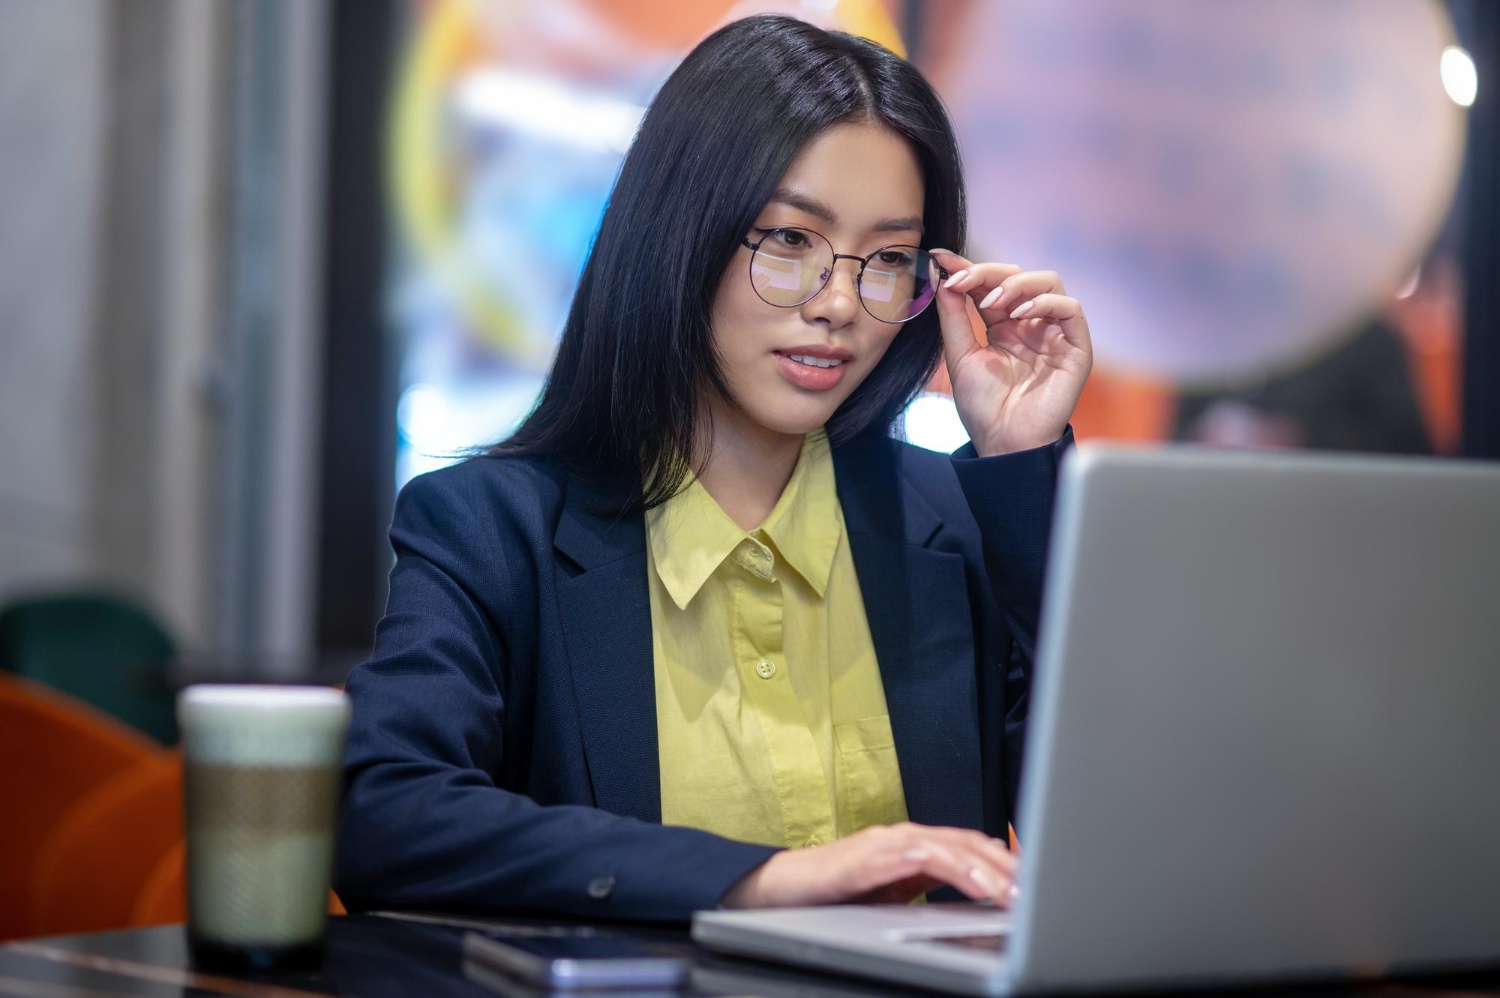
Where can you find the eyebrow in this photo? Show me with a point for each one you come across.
(819, 210)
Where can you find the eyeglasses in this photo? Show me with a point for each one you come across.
(790, 266)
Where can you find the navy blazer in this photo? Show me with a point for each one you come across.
(503, 752)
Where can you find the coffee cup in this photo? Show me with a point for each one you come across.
(261, 785)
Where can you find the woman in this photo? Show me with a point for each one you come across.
(700, 633)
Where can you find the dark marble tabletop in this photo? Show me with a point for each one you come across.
(415, 956)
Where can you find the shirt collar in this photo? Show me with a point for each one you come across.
(806, 524)
(690, 535)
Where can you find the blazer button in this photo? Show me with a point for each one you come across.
(601, 887)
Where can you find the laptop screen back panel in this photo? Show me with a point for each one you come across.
(1266, 734)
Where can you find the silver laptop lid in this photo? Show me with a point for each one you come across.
(1266, 731)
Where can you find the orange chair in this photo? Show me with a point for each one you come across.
(91, 872)
(55, 750)
(163, 897)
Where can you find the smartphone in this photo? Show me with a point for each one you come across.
(568, 962)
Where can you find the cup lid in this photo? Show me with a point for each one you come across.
(250, 697)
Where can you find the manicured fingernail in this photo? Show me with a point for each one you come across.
(939, 249)
(986, 881)
(955, 278)
(917, 855)
(1022, 310)
(992, 298)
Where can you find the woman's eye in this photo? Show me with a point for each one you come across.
(790, 238)
(894, 258)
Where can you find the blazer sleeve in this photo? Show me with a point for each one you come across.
(1011, 498)
(423, 822)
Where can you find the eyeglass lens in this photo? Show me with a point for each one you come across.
(790, 266)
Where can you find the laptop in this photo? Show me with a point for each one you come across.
(1264, 742)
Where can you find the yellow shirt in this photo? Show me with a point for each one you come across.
(770, 714)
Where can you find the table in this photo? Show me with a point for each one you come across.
(418, 956)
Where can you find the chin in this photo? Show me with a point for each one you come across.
(794, 417)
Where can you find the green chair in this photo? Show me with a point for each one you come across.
(101, 649)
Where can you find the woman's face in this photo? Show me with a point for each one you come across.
(859, 186)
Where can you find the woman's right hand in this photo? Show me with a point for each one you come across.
(882, 863)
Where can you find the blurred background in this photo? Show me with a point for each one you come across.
(262, 261)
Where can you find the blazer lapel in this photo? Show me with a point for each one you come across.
(917, 603)
(606, 619)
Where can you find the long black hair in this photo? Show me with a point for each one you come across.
(637, 361)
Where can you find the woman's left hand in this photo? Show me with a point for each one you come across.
(1017, 390)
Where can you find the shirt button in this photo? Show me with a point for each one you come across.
(765, 668)
(756, 559)
(601, 887)
(813, 840)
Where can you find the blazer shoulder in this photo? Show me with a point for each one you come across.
(485, 475)
(930, 472)
(919, 460)
(505, 492)
(876, 465)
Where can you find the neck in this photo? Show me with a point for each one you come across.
(747, 467)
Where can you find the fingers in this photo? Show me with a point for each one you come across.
(970, 874)
(1000, 291)
(976, 865)
(897, 863)
(953, 310)
(1048, 306)
(1058, 318)
(889, 867)
(989, 863)
(981, 281)
(1014, 289)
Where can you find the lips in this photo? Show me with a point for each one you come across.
(816, 371)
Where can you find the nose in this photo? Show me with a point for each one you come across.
(838, 302)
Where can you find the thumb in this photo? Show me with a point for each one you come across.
(957, 328)
(953, 311)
